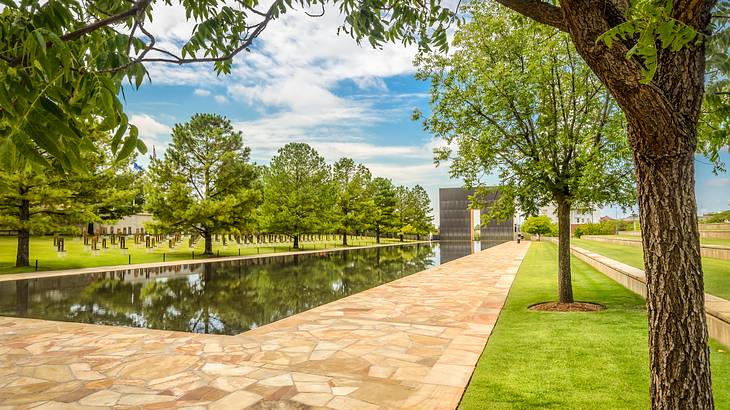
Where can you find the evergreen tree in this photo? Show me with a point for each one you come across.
(422, 213)
(382, 216)
(298, 192)
(353, 201)
(205, 183)
(37, 199)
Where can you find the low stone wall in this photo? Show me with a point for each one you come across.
(717, 310)
(708, 251)
(715, 234)
(715, 227)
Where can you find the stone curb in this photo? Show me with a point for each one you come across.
(708, 251)
(717, 310)
(120, 268)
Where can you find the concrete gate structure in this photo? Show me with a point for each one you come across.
(456, 219)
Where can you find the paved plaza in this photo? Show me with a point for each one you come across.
(411, 343)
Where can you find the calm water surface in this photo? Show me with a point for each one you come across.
(220, 297)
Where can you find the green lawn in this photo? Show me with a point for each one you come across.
(703, 241)
(538, 360)
(717, 271)
(79, 256)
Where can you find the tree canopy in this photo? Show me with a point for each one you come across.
(516, 100)
(299, 195)
(538, 225)
(63, 62)
(205, 183)
(353, 201)
(382, 218)
(37, 199)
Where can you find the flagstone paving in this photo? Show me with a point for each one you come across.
(411, 343)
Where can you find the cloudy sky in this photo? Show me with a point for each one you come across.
(302, 82)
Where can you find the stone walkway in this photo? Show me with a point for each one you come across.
(411, 343)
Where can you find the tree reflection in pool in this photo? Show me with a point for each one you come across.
(222, 297)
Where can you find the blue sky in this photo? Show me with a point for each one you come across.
(304, 83)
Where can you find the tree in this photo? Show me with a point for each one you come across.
(353, 202)
(718, 217)
(538, 225)
(205, 183)
(382, 215)
(651, 56)
(403, 211)
(422, 216)
(298, 192)
(63, 62)
(35, 199)
(413, 212)
(61, 58)
(516, 100)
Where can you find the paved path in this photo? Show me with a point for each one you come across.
(411, 343)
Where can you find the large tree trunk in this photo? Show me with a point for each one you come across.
(377, 234)
(296, 242)
(678, 351)
(565, 283)
(22, 257)
(662, 118)
(344, 238)
(208, 243)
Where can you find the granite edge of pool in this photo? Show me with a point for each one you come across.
(9, 277)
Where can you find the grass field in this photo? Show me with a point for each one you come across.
(545, 360)
(80, 256)
(703, 241)
(717, 271)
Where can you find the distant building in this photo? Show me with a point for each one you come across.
(576, 217)
(128, 225)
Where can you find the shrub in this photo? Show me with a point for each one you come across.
(718, 217)
(603, 228)
(540, 225)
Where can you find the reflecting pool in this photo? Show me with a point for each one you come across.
(219, 297)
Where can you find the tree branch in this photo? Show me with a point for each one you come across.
(139, 7)
(539, 11)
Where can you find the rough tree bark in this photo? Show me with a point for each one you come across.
(565, 284)
(344, 238)
(377, 234)
(296, 242)
(662, 118)
(678, 351)
(208, 243)
(22, 257)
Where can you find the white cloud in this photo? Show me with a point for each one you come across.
(293, 68)
(719, 182)
(221, 99)
(292, 81)
(151, 131)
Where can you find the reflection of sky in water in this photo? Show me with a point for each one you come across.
(224, 297)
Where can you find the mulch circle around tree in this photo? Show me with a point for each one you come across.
(566, 307)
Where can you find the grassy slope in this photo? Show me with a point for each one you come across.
(717, 271)
(704, 241)
(78, 256)
(571, 361)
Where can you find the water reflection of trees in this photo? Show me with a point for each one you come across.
(227, 298)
